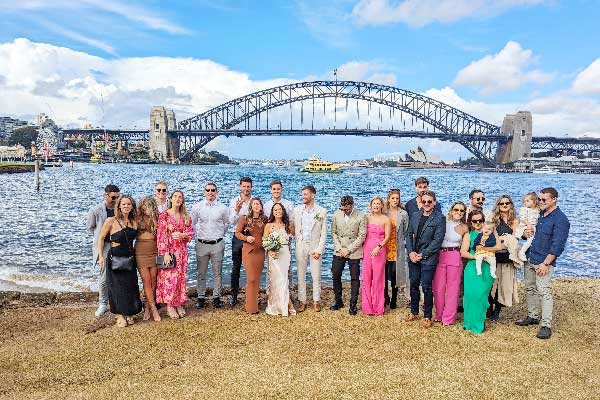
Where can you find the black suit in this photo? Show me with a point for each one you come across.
(428, 245)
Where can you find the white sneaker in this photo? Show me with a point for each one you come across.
(102, 309)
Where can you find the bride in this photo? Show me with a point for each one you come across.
(279, 302)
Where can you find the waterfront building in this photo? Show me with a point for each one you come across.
(8, 125)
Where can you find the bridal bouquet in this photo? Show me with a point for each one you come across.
(274, 242)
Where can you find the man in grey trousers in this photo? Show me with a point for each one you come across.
(210, 219)
(95, 219)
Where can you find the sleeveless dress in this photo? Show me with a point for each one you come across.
(373, 274)
(123, 289)
(505, 287)
(477, 289)
(277, 271)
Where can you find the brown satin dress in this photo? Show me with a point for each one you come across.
(253, 258)
(145, 249)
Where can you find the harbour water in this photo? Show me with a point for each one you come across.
(44, 244)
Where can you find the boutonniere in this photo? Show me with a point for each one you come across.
(319, 217)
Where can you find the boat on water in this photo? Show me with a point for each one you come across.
(97, 159)
(317, 166)
(546, 170)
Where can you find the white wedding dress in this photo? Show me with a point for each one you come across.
(277, 273)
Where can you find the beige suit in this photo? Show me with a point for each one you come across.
(350, 235)
(305, 249)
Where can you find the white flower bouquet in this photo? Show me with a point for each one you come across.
(274, 242)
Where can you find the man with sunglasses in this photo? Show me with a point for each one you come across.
(95, 219)
(426, 231)
(476, 199)
(414, 206)
(210, 220)
(551, 233)
(160, 195)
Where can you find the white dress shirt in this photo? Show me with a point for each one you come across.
(307, 222)
(234, 217)
(289, 208)
(210, 220)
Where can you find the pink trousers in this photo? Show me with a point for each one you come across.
(446, 286)
(373, 283)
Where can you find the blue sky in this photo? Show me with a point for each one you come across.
(106, 62)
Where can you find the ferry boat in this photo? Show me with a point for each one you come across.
(315, 166)
(546, 170)
(97, 159)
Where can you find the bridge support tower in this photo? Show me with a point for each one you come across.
(519, 127)
(162, 147)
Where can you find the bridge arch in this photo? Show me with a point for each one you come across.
(479, 137)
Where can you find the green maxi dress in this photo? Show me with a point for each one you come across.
(476, 291)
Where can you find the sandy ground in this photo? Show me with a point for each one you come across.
(60, 351)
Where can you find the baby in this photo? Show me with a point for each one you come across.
(485, 239)
(529, 214)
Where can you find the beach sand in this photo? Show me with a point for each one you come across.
(56, 349)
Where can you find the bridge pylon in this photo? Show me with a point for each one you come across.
(518, 127)
(162, 146)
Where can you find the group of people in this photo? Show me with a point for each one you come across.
(412, 249)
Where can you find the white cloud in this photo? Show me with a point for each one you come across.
(588, 80)
(327, 21)
(419, 13)
(99, 44)
(500, 72)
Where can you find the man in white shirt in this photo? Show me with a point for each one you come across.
(276, 197)
(238, 207)
(210, 220)
(310, 223)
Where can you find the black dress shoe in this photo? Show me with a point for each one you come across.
(460, 309)
(352, 310)
(495, 314)
(544, 333)
(217, 303)
(527, 321)
(200, 304)
(233, 300)
(336, 306)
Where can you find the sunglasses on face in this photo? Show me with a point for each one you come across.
(479, 198)
(504, 203)
(427, 201)
(542, 200)
(113, 197)
(161, 190)
(460, 210)
(210, 190)
(476, 221)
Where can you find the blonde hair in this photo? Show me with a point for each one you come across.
(534, 197)
(149, 204)
(512, 214)
(119, 215)
(380, 199)
(464, 217)
(182, 209)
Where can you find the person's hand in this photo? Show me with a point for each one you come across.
(375, 250)
(528, 233)
(238, 205)
(478, 247)
(167, 259)
(273, 254)
(250, 239)
(541, 270)
(414, 257)
(101, 261)
(177, 235)
(344, 252)
(316, 255)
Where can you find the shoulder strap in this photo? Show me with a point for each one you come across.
(126, 239)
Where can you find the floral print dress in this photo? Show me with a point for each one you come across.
(171, 283)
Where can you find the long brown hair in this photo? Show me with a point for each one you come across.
(284, 217)
(119, 215)
(512, 213)
(262, 218)
(390, 193)
(148, 204)
(182, 209)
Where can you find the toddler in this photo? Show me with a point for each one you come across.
(485, 239)
(529, 214)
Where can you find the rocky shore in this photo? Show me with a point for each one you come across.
(51, 346)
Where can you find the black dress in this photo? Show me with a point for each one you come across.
(123, 289)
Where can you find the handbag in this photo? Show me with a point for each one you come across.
(160, 262)
(123, 263)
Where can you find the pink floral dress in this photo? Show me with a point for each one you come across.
(171, 283)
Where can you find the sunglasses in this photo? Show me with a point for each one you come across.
(460, 210)
(427, 201)
(476, 221)
(113, 197)
(161, 190)
(210, 190)
(479, 198)
(505, 203)
(542, 200)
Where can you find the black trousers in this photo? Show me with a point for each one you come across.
(390, 275)
(236, 258)
(420, 275)
(337, 267)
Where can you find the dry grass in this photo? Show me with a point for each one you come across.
(45, 352)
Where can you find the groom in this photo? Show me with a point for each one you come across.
(310, 221)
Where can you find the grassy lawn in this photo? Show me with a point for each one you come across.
(62, 351)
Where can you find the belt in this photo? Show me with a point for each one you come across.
(450, 249)
(210, 241)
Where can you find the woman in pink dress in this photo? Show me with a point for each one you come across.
(174, 232)
(374, 256)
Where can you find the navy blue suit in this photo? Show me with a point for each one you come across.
(428, 244)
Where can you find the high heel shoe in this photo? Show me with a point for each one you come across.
(172, 313)
(121, 322)
(146, 312)
(155, 315)
(129, 320)
(180, 312)
(291, 312)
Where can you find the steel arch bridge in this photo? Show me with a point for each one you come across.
(448, 123)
